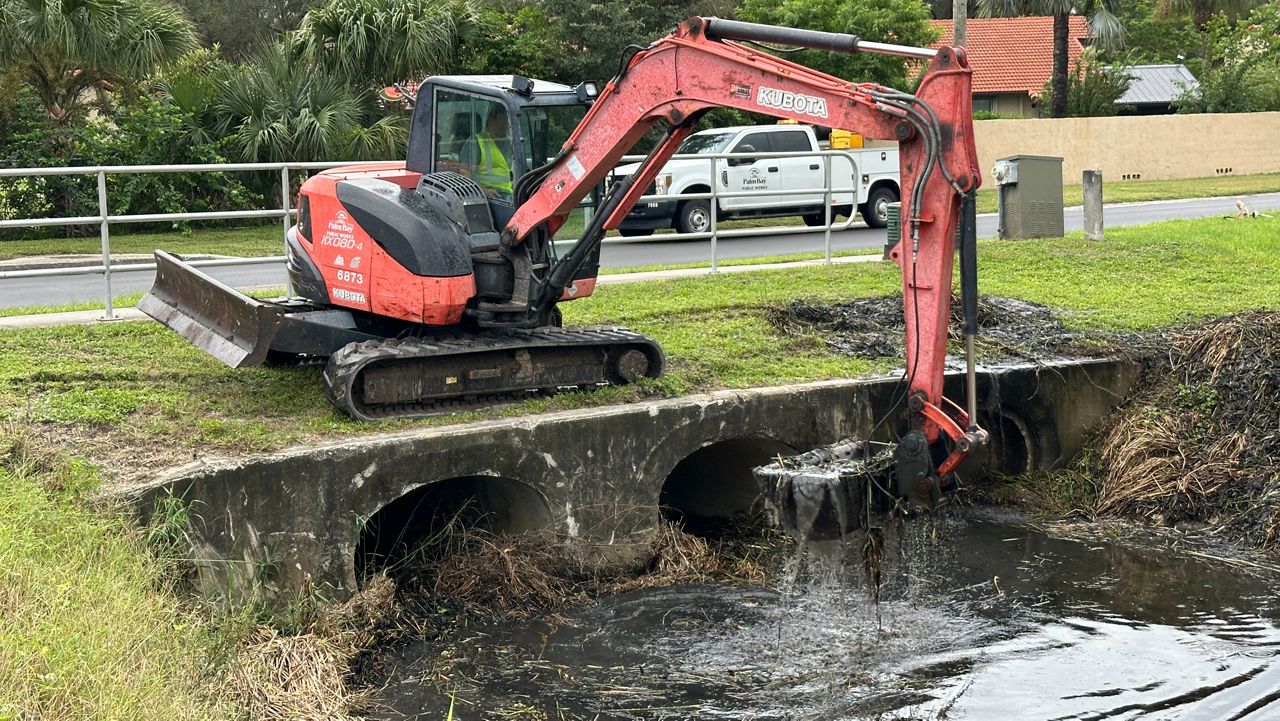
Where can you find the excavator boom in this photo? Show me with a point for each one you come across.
(705, 64)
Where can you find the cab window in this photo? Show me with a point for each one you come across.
(546, 128)
(460, 120)
(791, 141)
(758, 141)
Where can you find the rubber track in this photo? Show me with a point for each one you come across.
(342, 374)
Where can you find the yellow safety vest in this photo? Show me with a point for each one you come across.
(493, 170)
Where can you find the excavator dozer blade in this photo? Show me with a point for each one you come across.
(221, 321)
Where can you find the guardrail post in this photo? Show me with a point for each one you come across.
(284, 204)
(826, 203)
(105, 231)
(714, 211)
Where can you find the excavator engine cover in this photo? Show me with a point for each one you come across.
(420, 232)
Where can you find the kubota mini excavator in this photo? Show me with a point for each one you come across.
(433, 284)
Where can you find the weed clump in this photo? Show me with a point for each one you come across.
(1200, 444)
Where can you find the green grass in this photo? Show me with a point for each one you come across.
(131, 390)
(727, 262)
(256, 241)
(128, 300)
(1135, 191)
(87, 630)
(266, 240)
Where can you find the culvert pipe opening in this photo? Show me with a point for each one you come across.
(409, 531)
(1010, 449)
(713, 491)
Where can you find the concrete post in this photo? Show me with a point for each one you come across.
(1093, 204)
(959, 18)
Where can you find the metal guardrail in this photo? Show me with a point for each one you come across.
(104, 220)
(716, 195)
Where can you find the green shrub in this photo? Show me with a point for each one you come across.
(1092, 90)
(144, 131)
(1242, 72)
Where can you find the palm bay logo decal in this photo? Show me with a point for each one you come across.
(794, 102)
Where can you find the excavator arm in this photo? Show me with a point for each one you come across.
(706, 64)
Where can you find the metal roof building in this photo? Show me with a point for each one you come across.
(1154, 87)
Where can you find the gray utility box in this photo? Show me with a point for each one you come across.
(1030, 196)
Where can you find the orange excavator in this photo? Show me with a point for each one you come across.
(433, 284)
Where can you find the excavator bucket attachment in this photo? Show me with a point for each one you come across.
(823, 495)
(221, 321)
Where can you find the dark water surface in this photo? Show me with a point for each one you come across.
(981, 620)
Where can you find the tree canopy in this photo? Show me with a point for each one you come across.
(65, 49)
(569, 40)
(905, 22)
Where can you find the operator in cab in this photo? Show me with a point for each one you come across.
(486, 156)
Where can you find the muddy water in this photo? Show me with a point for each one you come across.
(981, 619)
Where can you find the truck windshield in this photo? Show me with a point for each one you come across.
(705, 144)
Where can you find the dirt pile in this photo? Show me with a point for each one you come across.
(1010, 330)
(1199, 444)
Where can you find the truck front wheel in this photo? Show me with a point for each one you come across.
(876, 210)
(694, 216)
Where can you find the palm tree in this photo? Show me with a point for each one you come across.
(65, 49)
(377, 42)
(278, 107)
(1105, 30)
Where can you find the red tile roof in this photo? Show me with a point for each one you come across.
(1010, 55)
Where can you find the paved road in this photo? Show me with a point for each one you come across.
(628, 253)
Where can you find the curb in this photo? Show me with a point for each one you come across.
(45, 262)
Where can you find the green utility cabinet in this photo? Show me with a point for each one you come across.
(1030, 196)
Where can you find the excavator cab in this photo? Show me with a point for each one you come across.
(494, 129)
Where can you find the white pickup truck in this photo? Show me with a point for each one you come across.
(873, 175)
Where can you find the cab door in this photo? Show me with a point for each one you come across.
(803, 172)
(758, 176)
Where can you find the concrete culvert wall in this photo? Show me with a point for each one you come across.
(713, 485)
(403, 526)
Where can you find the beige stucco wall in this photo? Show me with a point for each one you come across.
(1153, 147)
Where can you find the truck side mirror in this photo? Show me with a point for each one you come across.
(734, 162)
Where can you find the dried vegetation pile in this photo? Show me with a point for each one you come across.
(311, 674)
(1200, 444)
(523, 576)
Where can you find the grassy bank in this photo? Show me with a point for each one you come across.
(87, 629)
(265, 240)
(134, 396)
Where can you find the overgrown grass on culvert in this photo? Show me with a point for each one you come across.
(135, 397)
(266, 240)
